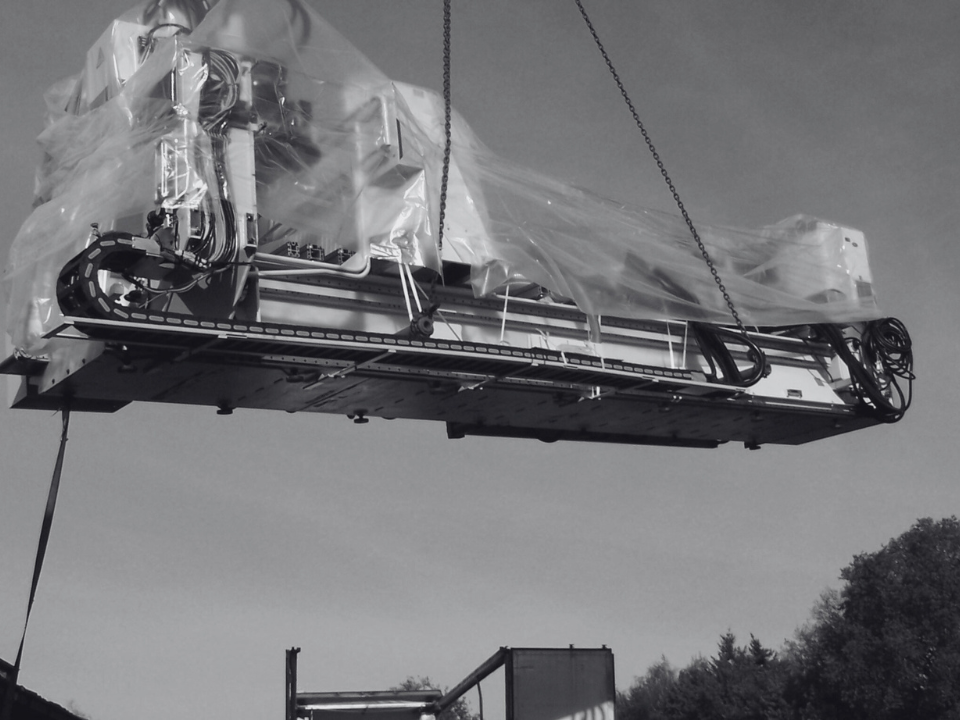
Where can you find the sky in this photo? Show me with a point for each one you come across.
(189, 550)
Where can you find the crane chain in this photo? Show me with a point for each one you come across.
(447, 134)
(663, 172)
(444, 180)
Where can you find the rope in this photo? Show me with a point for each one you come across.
(7, 708)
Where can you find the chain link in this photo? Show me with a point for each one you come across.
(446, 121)
(447, 133)
(663, 172)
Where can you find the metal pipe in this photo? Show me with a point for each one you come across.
(360, 703)
(493, 663)
(406, 296)
(361, 707)
(413, 286)
(307, 267)
(503, 322)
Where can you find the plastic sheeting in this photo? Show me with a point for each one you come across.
(346, 158)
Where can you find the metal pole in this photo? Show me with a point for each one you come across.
(291, 691)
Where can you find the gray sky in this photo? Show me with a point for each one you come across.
(189, 550)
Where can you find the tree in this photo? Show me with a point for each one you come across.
(458, 711)
(888, 647)
(696, 695)
(644, 700)
(807, 692)
(739, 683)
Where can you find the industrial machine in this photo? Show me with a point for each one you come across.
(237, 209)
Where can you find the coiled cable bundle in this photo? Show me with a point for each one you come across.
(885, 359)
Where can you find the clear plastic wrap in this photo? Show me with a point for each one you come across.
(345, 158)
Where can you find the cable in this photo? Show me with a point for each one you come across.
(7, 706)
(169, 292)
(710, 340)
(885, 357)
(221, 90)
(153, 31)
(888, 341)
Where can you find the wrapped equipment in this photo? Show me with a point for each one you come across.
(342, 157)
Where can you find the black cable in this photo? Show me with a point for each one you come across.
(888, 341)
(153, 31)
(711, 341)
(7, 706)
(220, 92)
(175, 290)
(885, 357)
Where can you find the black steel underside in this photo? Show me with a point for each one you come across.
(475, 389)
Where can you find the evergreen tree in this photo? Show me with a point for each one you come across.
(644, 700)
(739, 683)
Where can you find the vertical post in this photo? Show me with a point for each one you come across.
(508, 677)
(291, 690)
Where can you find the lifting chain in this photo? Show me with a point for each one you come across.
(663, 172)
(446, 120)
(447, 135)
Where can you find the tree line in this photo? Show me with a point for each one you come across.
(886, 646)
